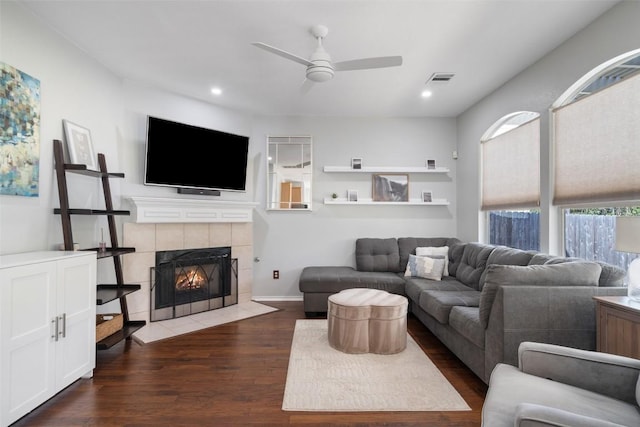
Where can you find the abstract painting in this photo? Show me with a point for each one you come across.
(19, 132)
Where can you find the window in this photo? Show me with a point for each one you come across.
(511, 180)
(589, 233)
(516, 229)
(595, 135)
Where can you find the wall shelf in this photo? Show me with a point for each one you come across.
(412, 202)
(384, 169)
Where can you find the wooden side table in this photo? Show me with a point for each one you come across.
(618, 326)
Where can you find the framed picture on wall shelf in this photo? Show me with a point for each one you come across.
(352, 195)
(431, 164)
(356, 163)
(427, 197)
(79, 145)
(390, 187)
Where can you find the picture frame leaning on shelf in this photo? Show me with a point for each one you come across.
(79, 145)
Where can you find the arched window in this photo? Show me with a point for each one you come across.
(596, 153)
(511, 180)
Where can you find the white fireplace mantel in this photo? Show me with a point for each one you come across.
(166, 210)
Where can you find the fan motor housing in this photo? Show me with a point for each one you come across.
(320, 71)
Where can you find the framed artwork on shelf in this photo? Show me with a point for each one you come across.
(352, 195)
(390, 187)
(427, 197)
(356, 163)
(79, 145)
(431, 164)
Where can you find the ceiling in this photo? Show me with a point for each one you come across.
(188, 47)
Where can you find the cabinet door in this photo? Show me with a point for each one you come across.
(76, 310)
(27, 359)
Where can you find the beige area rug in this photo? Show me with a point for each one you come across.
(321, 378)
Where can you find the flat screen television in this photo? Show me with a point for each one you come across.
(192, 158)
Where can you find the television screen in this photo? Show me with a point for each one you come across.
(192, 157)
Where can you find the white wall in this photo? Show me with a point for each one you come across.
(290, 240)
(535, 89)
(140, 101)
(73, 87)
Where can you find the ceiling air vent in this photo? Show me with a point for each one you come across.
(440, 77)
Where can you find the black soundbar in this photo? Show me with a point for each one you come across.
(198, 191)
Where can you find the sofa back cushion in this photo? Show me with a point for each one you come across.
(583, 273)
(455, 256)
(611, 275)
(378, 254)
(469, 267)
(407, 246)
(503, 255)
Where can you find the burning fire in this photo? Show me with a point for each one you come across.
(191, 279)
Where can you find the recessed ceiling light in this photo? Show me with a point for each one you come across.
(216, 91)
(426, 93)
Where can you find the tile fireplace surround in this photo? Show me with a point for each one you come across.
(172, 224)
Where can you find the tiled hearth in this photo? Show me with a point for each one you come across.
(170, 328)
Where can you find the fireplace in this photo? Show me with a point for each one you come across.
(190, 281)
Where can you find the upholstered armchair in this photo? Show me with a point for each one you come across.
(562, 386)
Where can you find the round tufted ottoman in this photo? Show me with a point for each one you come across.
(362, 320)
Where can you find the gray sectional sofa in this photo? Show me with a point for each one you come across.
(492, 299)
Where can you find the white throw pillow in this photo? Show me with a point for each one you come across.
(436, 250)
(425, 267)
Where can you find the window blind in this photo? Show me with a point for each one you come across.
(597, 146)
(511, 168)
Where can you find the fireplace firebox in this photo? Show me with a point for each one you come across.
(190, 281)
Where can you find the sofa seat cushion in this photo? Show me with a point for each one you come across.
(466, 321)
(415, 285)
(509, 387)
(439, 303)
(335, 279)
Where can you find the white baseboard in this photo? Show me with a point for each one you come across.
(281, 298)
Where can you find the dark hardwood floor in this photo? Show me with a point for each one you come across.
(232, 374)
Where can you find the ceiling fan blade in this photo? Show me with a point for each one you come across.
(367, 63)
(306, 86)
(284, 54)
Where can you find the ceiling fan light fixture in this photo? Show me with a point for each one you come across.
(319, 73)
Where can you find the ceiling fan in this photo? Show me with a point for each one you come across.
(319, 65)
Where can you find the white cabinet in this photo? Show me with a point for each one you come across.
(47, 326)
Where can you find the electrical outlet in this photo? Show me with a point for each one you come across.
(276, 274)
